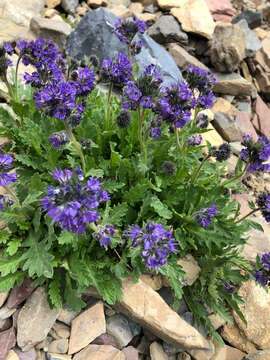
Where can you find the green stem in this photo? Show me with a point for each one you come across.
(13, 195)
(244, 217)
(76, 145)
(16, 78)
(143, 146)
(193, 123)
(196, 174)
(93, 227)
(108, 107)
(238, 177)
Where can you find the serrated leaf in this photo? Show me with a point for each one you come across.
(95, 172)
(116, 214)
(9, 265)
(136, 193)
(66, 237)
(71, 298)
(255, 225)
(160, 208)
(7, 282)
(13, 246)
(54, 291)
(4, 236)
(32, 197)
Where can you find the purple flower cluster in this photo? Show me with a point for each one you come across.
(263, 201)
(5, 62)
(104, 234)
(204, 216)
(203, 81)
(175, 104)
(202, 121)
(194, 140)
(118, 72)
(6, 178)
(143, 90)
(262, 276)
(256, 154)
(156, 243)
(72, 204)
(59, 139)
(126, 29)
(222, 153)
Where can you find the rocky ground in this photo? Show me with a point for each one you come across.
(232, 39)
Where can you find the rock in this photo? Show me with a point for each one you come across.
(60, 331)
(118, 327)
(35, 320)
(149, 18)
(56, 31)
(232, 84)
(216, 321)
(171, 349)
(98, 24)
(221, 10)
(183, 356)
(157, 353)
(261, 117)
(130, 353)
(261, 33)
(254, 19)
(227, 47)
(265, 11)
(26, 355)
(258, 243)
(243, 199)
(183, 59)
(134, 327)
(259, 355)
(255, 309)
(194, 16)
(51, 4)
(167, 295)
(99, 352)
(53, 356)
(220, 351)
(136, 8)
(7, 341)
(169, 4)
(154, 281)
(233, 335)
(253, 44)
(227, 127)
(233, 353)
(5, 312)
(19, 293)
(86, 327)
(245, 125)
(59, 346)
(191, 268)
(212, 136)
(151, 311)
(67, 315)
(222, 105)
(114, 3)
(69, 5)
(5, 324)
(12, 355)
(3, 297)
(166, 30)
(97, 3)
(121, 11)
(105, 339)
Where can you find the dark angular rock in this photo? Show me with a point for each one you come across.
(254, 19)
(94, 36)
(105, 339)
(7, 341)
(166, 30)
(19, 293)
(253, 43)
(167, 295)
(227, 127)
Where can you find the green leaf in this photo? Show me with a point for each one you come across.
(7, 282)
(13, 246)
(71, 298)
(255, 225)
(4, 236)
(95, 172)
(116, 214)
(9, 265)
(66, 237)
(160, 208)
(37, 257)
(136, 193)
(32, 197)
(54, 291)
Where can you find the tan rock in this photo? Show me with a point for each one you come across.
(11, 32)
(86, 327)
(97, 3)
(12, 356)
(220, 351)
(67, 315)
(149, 18)
(183, 59)
(152, 312)
(212, 136)
(121, 11)
(58, 356)
(236, 338)
(3, 297)
(232, 84)
(136, 8)
(195, 17)
(256, 310)
(259, 355)
(203, 354)
(100, 352)
(216, 320)
(266, 49)
(59, 346)
(51, 4)
(49, 13)
(233, 353)
(169, 4)
(157, 352)
(60, 331)
(183, 356)
(223, 105)
(261, 33)
(154, 281)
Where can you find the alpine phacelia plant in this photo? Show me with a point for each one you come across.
(97, 187)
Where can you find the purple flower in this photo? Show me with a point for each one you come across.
(222, 153)
(126, 29)
(263, 202)
(200, 79)
(256, 154)
(204, 216)
(104, 234)
(8, 48)
(146, 102)
(206, 101)
(118, 72)
(194, 140)
(202, 121)
(261, 277)
(6, 178)
(156, 243)
(59, 139)
(72, 204)
(155, 132)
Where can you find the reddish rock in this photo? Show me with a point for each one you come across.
(20, 293)
(105, 339)
(7, 341)
(131, 353)
(261, 118)
(245, 125)
(221, 10)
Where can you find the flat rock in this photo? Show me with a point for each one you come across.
(98, 25)
(233, 353)
(51, 4)
(7, 341)
(245, 125)
(105, 339)
(152, 312)
(232, 84)
(253, 18)
(212, 136)
(54, 356)
(26, 355)
(67, 315)
(243, 200)
(166, 30)
(216, 320)
(121, 11)
(118, 327)
(195, 17)
(3, 297)
(223, 105)
(56, 31)
(5, 312)
(234, 336)
(227, 127)
(221, 10)
(220, 351)
(59, 346)
(157, 352)
(35, 320)
(253, 44)
(130, 353)
(11, 32)
(12, 355)
(183, 59)
(228, 47)
(261, 117)
(259, 355)
(255, 309)
(154, 281)
(169, 4)
(19, 293)
(99, 352)
(60, 331)
(86, 327)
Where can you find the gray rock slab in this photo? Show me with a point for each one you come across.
(118, 327)
(253, 43)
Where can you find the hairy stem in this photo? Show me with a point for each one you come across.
(76, 145)
(143, 146)
(237, 177)
(16, 79)
(244, 217)
(196, 174)
(108, 107)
